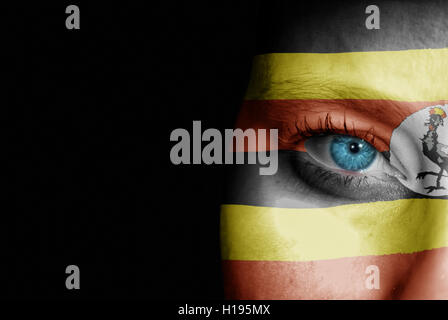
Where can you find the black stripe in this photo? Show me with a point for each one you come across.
(339, 26)
(299, 179)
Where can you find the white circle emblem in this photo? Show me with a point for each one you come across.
(419, 149)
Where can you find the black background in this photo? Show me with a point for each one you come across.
(88, 119)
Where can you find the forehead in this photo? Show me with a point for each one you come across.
(319, 59)
(319, 27)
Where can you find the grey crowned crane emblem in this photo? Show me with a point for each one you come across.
(434, 150)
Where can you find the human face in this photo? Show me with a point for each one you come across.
(358, 208)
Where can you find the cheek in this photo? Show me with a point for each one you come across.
(382, 250)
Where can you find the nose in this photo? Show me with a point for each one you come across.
(428, 276)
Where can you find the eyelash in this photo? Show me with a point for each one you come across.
(326, 127)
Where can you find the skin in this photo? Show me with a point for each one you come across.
(316, 28)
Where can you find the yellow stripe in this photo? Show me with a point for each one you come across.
(411, 75)
(375, 228)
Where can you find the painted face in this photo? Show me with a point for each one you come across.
(358, 208)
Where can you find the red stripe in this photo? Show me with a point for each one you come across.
(361, 118)
(422, 275)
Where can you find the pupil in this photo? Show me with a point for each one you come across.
(354, 147)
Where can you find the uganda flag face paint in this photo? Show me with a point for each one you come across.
(425, 158)
(358, 208)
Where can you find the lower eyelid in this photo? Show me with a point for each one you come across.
(309, 169)
(325, 182)
(339, 177)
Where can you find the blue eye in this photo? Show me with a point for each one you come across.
(351, 153)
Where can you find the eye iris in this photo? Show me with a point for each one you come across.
(352, 153)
